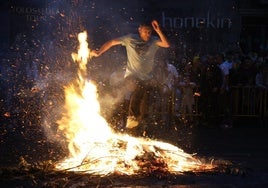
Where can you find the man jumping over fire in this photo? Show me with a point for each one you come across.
(141, 49)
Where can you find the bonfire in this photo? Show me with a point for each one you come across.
(95, 148)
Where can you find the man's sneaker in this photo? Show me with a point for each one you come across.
(131, 122)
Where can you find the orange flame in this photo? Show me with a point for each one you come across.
(94, 147)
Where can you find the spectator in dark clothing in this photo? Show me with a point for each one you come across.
(261, 79)
(246, 72)
(213, 79)
(225, 95)
(195, 71)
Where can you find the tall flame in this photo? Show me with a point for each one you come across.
(94, 147)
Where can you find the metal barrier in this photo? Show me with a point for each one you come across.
(246, 102)
(250, 101)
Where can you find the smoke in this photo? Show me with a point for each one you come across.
(114, 95)
(103, 20)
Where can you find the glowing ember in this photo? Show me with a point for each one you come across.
(95, 148)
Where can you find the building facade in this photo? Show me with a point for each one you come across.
(192, 26)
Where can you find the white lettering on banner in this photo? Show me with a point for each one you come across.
(195, 22)
(34, 13)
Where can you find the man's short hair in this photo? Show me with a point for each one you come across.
(146, 24)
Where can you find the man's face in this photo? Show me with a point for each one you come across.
(145, 32)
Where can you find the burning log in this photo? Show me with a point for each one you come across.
(152, 165)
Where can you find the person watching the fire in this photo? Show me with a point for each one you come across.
(140, 50)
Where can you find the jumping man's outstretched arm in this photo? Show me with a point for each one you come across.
(106, 46)
(163, 42)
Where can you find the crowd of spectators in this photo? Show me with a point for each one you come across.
(211, 78)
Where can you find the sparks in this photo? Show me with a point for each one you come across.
(95, 148)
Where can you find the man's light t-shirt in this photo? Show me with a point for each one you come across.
(140, 56)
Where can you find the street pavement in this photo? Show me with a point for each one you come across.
(243, 145)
